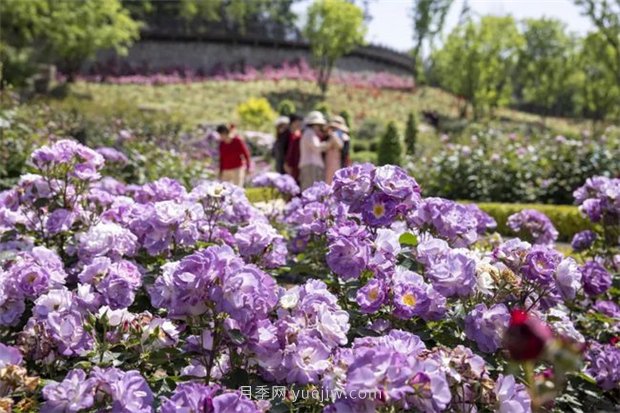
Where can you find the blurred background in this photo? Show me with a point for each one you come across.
(502, 101)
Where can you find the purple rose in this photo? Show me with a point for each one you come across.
(194, 397)
(261, 243)
(512, 397)
(348, 256)
(371, 296)
(453, 274)
(9, 356)
(75, 393)
(604, 364)
(534, 225)
(596, 279)
(353, 184)
(233, 402)
(583, 240)
(540, 265)
(486, 326)
(306, 360)
(410, 300)
(285, 184)
(568, 278)
(379, 210)
(107, 239)
(67, 330)
(131, 394)
(60, 220)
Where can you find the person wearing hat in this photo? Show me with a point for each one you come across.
(311, 148)
(280, 146)
(335, 156)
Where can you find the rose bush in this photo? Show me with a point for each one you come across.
(162, 298)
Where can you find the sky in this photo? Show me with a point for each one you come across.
(391, 19)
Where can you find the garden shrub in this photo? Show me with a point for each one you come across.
(411, 134)
(373, 145)
(364, 156)
(497, 166)
(360, 146)
(370, 129)
(390, 148)
(324, 108)
(256, 113)
(286, 107)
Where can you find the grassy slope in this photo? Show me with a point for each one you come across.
(214, 101)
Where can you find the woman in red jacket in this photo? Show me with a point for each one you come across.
(234, 157)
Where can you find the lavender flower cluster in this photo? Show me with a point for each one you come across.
(534, 226)
(158, 297)
(283, 183)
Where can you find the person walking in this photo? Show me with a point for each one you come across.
(280, 146)
(234, 157)
(311, 165)
(291, 164)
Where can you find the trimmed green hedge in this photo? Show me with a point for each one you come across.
(363, 157)
(566, 218)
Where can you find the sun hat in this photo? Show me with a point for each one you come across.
(315, 118)
(282, 120)
(338, 122)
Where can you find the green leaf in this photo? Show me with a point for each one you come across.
(408, 239)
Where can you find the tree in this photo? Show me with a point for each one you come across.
(597, 89)
(334, 28)
(239, 13)
(68, 32)
(390, 147)
(428, 21)
(545, 64)
(605, 15)
(477, 62)
(411, 134)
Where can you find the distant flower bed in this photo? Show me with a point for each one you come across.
(498, 166)
(298, 70)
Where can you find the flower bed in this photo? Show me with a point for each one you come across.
(492, 165)
(156, 297)
(296, 70)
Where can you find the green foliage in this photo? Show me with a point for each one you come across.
(238, 12)
(390, 148)
(260, 194)
(286, 107)
(334, 28)
(429, 17)
(324, 108)
(597, 90)
(566, 218)
(364, 156)
(605, 16)
(256, 113)
(67, 32)
(411, 134)
(500, 166)
(478, 60)
(546, 65)
(370, 129)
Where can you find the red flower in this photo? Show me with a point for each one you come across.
(526, 336)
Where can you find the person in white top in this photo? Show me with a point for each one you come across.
(311, 148)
